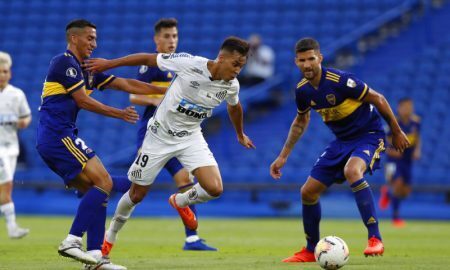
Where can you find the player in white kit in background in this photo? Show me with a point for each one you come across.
(14, 114)
(198, 87)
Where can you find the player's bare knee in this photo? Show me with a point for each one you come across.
(215, 190)
(352, 173)
(307, 195)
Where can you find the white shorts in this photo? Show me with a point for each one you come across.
(7, 168)
(154, 154)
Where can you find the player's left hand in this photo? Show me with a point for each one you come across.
(96, 64)
(400, 141)
(130, 115)
(246, 142)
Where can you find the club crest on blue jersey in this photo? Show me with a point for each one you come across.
(331, 99)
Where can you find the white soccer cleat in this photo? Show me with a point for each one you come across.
(17, 233)
(104, 264)
(73, 249)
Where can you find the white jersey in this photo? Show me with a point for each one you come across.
(13, 105)
(190, 98)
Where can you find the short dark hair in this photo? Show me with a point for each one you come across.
(404, 99)
(78, 23)
(232, 44)
(306, 44)
(165, 23)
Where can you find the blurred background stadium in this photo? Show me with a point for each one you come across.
(400, 48)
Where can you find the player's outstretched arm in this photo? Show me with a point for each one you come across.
(399, 139)
(84, 101)
(144, 100)
(136, 87)
(237, 119)
(298, 127)
(138, 59)
(24, 122)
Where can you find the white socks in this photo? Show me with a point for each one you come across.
(10, 215)
(123, 212)
(193, 196)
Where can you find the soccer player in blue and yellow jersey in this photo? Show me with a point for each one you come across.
(66, 91)
(349, 108)
(399, 165)
(166, 40)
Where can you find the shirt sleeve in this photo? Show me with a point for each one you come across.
(68, 74)
(101, 80)
(302, 102)
(233, 99)
(353, 87)
(176, 62)
(24, 108)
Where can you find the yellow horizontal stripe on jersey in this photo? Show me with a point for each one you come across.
(161, 84)
(412, 137)
(53, 88)
(105, 82)
(75, 86)
(332, 79)
(376, 155)
(340, 111)
(329, 73)
(363, 92)
(80, 159)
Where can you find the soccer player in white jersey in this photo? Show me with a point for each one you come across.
(14, 114)
(198, 87)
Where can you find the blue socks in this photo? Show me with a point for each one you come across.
(121, 184)
(88, 209)
(96, 230)
(311, 218)
(395, 201)
(364, 200)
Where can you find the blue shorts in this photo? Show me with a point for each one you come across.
(66, 156)
(172, 166)
(402, 171)
(329, 167)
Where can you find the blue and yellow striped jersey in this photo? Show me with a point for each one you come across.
(338, 99)
(58, 111)
(412, 131)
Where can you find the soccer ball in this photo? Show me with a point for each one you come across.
(331, 252)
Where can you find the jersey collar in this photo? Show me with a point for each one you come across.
(74, 57)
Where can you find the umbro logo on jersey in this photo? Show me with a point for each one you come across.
(194, 84)
(196, 70)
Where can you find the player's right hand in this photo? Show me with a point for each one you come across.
(96, 64)
(400, 141)
(130, 115)
(275, 167)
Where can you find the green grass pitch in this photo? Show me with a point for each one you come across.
(243, 244)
